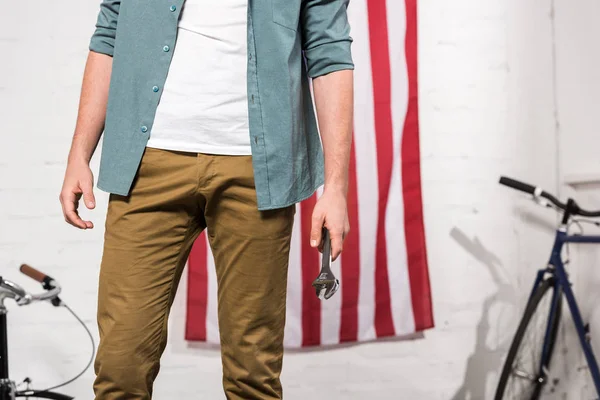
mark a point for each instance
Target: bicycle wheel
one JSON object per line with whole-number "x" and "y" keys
{"x": 521, "y": 378}
{"x": 32, "y": 394}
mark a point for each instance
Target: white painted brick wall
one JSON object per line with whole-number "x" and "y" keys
{"x": 487, "y": 108}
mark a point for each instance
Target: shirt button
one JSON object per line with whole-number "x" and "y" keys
{"x": 252, "y": 99}
{"x": 155, "y": 88}
{"x": 144, "y": 128}
{"x": 173, "y": 8}
{"x": 166, "y": 48}
{"x": 250, "y": 56}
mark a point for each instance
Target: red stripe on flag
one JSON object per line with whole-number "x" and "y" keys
{"x": 382, "y": 97}
{"x": 411, "y": 182}
{"x": 350, "y": 260}
{"x": 197, "y": 291}
{"x": 311, "y": 305}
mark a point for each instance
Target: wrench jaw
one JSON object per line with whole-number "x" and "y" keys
{"x": 326, "y": 288}
{"x": 331, "y": 289}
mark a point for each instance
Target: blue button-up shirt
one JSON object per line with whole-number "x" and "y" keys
{"x": 289, "y": 41}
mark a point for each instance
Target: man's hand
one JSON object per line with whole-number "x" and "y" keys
{"x": 79, "y": 181}
{"x": 331, "y": 210}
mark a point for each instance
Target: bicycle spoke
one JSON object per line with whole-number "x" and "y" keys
{"x": 524, "y": 375}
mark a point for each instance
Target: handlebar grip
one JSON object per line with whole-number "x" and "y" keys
{"x": 34, "y": 273}
{"x": 518, "y": 185}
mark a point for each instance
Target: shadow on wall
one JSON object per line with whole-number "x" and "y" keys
{"x": 492, "y": 342}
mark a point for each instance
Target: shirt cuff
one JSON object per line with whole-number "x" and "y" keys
{"x": 329, "y": 57}
{"x": 99, "y": 44}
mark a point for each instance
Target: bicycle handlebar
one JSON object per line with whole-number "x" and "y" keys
{"x": 12, "y": 290}
{"x": 538, "y": 192}
{"x": 12, "y": 287}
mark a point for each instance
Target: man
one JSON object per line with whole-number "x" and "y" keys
{"x": 208, "y": 122}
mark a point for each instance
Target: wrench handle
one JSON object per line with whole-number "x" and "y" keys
{"x": 326, "y": 264}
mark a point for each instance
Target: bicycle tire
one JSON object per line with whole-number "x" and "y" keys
{"x": 29, "y": 394}
{"x": 544, "y": 289}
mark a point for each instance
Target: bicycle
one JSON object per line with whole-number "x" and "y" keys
{"x": 10, "y": 290}
{"x": 526, "y": 369}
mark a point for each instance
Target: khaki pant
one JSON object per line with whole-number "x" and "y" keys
{"x": 148, "y": 237}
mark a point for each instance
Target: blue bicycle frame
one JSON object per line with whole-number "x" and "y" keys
{"x": 563, "y": 286}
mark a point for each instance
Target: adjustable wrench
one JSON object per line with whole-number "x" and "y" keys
{"x": 326, "y": 283}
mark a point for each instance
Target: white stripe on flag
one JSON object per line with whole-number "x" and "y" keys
{"x": 212, "y": 324}
{"x": 331, "y": 311}
{"x": 400, "y": 294}
{"x": 293, "y": 323}
{"x": 366, "y": 167}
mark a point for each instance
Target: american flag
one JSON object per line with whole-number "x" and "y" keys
{"x": 384, "y": 282}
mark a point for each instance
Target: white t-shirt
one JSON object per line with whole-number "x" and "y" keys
{"x": 203, "y": 107}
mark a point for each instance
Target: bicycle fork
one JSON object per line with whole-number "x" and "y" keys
{"x": 7, "y": 389}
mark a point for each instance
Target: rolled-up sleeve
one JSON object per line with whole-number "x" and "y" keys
{"x": 326, "y": 36}
{"x": 103, "y": 39}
